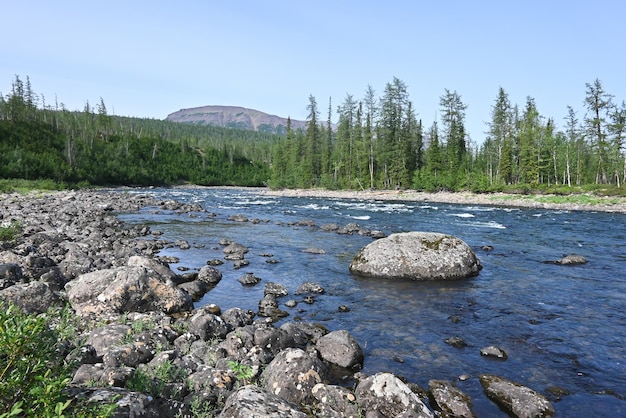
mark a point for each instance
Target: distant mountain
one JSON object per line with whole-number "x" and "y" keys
{"x": 235, "y": 117}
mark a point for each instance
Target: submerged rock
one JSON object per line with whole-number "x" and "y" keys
{"x": 520, "y": 401}
{"x": 417, "y": 256}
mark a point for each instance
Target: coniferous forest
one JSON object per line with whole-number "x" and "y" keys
{"x": 378, "y": 142}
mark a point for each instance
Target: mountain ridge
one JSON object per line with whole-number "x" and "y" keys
{"x": 237, "y": 117}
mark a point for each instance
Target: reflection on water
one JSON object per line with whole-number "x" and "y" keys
{"x": 561, "y": 326}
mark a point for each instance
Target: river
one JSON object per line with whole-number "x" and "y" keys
{"x": 561, "y": 326}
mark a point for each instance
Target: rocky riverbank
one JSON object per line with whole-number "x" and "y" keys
{"x": 141, "y": 344}
{"x": 574, "y": 202}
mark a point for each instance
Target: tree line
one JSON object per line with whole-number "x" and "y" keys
{"x": 40, "y": 141}
{"x": 377, "y": 142}
{"x": 380, "y": 143}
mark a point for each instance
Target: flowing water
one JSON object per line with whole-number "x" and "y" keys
{"x": 561, "y": 326}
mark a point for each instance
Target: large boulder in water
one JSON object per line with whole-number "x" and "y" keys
{"x": 417, "y": 256}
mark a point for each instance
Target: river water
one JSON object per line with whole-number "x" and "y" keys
{"x": 561, "y": 326}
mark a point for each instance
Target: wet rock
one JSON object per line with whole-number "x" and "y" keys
{"x": 330, "y": 227}
{"x": 240, "y": 263}
{"x": 417, "y": 256}
{"x": 275, "y": 289}
{"x": 449, "y": 400}
{"x": 209, "y": 275}
{"x": 340, "y": 348}
{"x": 572, "y": 260}
{"x": 456, "y": 342}
{"x": 314, "y": 251}
{"x": 376, "y": 234}
{"x": 309, "y": 287}
{"x": 494, "y": 352}
{"x": 291, "y": 303}
{"x": 238, "y": 218}
{"x": 249, "y": 279}
{"x": 520, "y": 401}
{"x": 182, "y": 244}
{"x": 215, "y": 262}
{"x": 292, "y": 375}
{"x": 237, "y": 318}
{"x": 268, "y": 307}
{"x": 253, "y": 401}
{"x": 385, "y": 394}
{"x": 33, "y": 297}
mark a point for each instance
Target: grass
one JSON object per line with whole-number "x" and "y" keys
{"x": 10, "y": 232}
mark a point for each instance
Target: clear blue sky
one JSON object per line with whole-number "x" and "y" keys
{"x": 151, "y": 58}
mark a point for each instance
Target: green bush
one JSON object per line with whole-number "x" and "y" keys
{"x": 10, "y": 232}
{"x": 33, "y": 373}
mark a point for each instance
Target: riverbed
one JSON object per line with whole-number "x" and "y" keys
{"x": 561, "y": 326}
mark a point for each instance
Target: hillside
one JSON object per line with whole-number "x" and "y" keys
{"x": 234, "y": 117}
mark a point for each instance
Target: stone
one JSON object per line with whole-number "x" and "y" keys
{"x": 494, "y": 352}
{"x": 416, "y": 256}
{"x": 334, "y": 401}
{"x": 253, "y": 401}
{"x": 10, "y": 273}
{"x": 33, "y": 297}
{"x": 275, "y": 289}
{"x": 340, "y": 348}
{"x": 249, "y": 279}
{"x": 572, "y": 260}
{"x": 209, "y": 275}
{"x": 456, "y": 342}
{"x": 387, "y": 395}
{"x": 309, "y": 287}
{"x": 207, "y": 326}
{"x": 520, "y": 401}
{"x": 449, "y": 400}
{"x": 237, "y": 318}
{"x": 292, "y": 375}
{"x": 126, "y": 289}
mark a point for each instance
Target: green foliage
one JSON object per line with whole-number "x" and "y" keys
{"x": 32, "y": 374}
{"x": 10, "y": 232}
{"x": 242, "y": 372}
{"x": 152, "y": 380}
{"x": 83, "y": 148}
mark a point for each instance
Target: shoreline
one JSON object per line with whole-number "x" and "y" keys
{"x": 595, "y": 203}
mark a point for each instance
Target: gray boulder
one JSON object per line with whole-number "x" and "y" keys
{"x": 340, "y": 348}
{"x": 520, "y": 401}
{"x": 33, "y": 297}
{"x": 253, "y": 401}
{"x": 292, "y": 375}
{"x": 126, "y": 289}
{"x": 335, "y": 401}
{"x": 209, "y": 275}
{"x": 449, "y": 400}
{"x": 10, "y": 273}
{"x": 417, "y": 256}
{"x": 572, "y": 260}
{"x": 385, "y": 394}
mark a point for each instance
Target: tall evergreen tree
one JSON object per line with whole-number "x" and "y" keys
{"x": 598, "y": 103}
{"x": 452, "y": 111}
